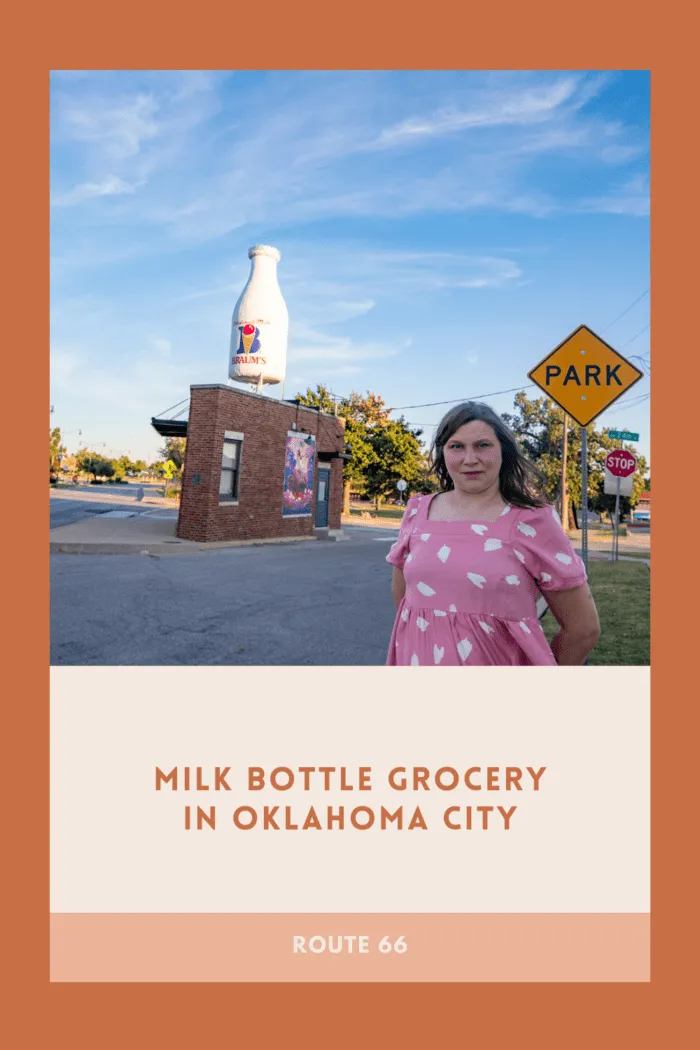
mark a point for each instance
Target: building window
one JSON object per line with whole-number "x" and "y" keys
{"x": 230, "y": 469}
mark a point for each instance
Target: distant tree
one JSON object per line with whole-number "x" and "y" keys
{"x": 427, "y": 483}
{"x": 95, "y": 464}
{"x": 174, "y": 449}
{"x": 539, "y": 426}
{"x": 139, "y": 465}
{"x": 56, "y": 449}
{"x": 123, "y": 465}
{"x": 397, "y": 454}
{"x": 383, "y": 450}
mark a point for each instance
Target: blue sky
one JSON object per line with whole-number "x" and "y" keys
{"x": 440, "y": 233}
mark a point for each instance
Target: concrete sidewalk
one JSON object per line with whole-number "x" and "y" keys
{"x": 598, "y": 543}
{"x": 149, "y": 533}
{"x": 153, "y": 532}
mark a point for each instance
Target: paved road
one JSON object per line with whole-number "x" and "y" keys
{"x": 68, "y": 505}
{"x": 302, "y": 604}
{"x": 67, "y": 511}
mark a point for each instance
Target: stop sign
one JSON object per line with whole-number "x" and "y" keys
{"x": 620, "y": 464}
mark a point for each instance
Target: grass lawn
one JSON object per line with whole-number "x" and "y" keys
{"x": 384, "y": 512}
{"x": 621, "y": 592}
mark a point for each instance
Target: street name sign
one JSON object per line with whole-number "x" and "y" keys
{"x": 584, "y": 375}
{"x": 623, "y": 435}
{"x": 621, "y": 464}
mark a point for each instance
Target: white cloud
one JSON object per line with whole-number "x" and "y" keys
{"x": 632, "y": 198}
{"x": 508, "y": 107}
{"x": 341, "y": 350}
{"x": 136, "y": 388}
{"x": 621, "y": 154}
{"x": 310, "y": 146}
{"x": 118, "y": 125}
{"x": 109, "y": 186}
{"x": 163, "y": 346}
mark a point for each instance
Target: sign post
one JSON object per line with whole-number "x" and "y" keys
{"x": 621, "y": 466}
{"x": 584, "y": 375}
{"x": 584, "y": 497}
{"x": 401, "y": 486}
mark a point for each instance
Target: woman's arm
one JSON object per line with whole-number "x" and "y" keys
{"x": 577, "y": 616}
{"x": 398, "y": 586}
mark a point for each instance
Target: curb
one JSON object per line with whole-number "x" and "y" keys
{"x": 156, "y": 550}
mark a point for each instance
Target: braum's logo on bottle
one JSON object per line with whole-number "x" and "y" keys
{"x": 248, "y": 346}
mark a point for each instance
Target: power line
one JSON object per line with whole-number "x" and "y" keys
{"x": 624, "y": 401}
{"x": 458, "y": 400}
{"x": 646, "y": 326}
{"x": 624, "y": 312}
{"x": 644, "y": 363}
{"x": 634, "y": 403}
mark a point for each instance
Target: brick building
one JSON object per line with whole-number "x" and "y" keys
{"x": 258, "y": 468}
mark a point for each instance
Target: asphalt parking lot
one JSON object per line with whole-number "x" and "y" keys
{"x": 308, "y": 603}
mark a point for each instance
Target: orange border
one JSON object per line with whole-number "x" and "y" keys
{"x": 105, "y": 1016}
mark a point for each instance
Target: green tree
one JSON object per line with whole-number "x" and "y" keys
{"x": 427, "y": 483}
{"x": 123, "y": 465}
{"x": 56, "y": 449}
{"x": 358, "y": 413}
{"x": 383, "y": 450}
{"x": 397, "y": 454}
{"x": 95, "y": 464}
{"x": 539, "y": 426}
{"x": 174, "y": 449}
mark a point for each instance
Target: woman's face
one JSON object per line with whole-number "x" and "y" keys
{"x": 473, "y": 457}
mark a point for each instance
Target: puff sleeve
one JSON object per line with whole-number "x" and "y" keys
{"x": 399, "y": 550}
{"x": 539, "y": 541}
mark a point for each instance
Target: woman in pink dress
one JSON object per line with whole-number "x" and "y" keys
{"x": 471, "y": 561}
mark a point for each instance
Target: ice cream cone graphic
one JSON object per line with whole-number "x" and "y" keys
{"x": 247, "y": 337}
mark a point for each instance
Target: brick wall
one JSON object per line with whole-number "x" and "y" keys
{"x": 264, "y": 422}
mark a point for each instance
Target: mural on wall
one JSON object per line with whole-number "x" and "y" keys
{"x": 299, "y": 462}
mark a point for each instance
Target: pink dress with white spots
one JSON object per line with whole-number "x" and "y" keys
{"x": 472, "y": 587}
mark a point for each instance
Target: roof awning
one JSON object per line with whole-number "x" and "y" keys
{"x": 170, "y": 427}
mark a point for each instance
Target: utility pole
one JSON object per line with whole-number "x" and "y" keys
{"x": 564, "y": 493}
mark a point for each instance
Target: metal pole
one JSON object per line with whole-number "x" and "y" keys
{"x": 564, "y": 499}
{"x": 584, "y": 497}
{"x": 616, "y": 535}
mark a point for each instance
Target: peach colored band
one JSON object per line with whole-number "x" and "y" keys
{"x": 223, "y": 947}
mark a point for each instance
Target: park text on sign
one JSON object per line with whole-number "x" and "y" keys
{"x": 584, "y": 375}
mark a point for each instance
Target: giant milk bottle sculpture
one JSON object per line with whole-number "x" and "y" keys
{"x": 260, "y": 325}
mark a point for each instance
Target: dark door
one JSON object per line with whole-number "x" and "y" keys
{"x": 323, "y": 480}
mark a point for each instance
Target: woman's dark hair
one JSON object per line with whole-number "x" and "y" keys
{"x": 520, "y": 482}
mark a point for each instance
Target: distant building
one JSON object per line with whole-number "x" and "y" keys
{"x": 642, "y": 512}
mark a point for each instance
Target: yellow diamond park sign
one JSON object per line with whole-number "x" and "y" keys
{"x": 584, "y": 375}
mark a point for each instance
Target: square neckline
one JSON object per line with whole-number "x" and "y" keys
{"x": 461, "y": 521}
